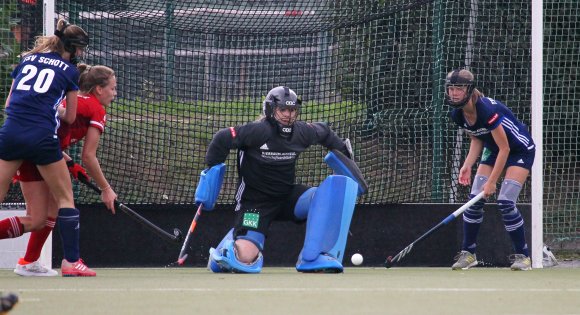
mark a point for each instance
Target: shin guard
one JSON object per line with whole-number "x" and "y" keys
{"x": 69, "y": 229}
{"x": 327, "y": 225}
{"x": 303, "y": 204}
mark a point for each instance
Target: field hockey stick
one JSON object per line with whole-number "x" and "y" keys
{"x": 183, "y": 253}
{"x": 177, "y": 236}
{"x": 392, "y": 260}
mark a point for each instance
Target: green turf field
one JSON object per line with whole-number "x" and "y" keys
{"x": 284, "y": 291}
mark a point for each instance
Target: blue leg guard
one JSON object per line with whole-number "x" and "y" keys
{"x": 303, "y": 204}
{"x": 327, "y": 226}
{"x": 223, "y": 258}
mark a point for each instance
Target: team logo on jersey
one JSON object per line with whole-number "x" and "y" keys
{"x": 493, "y": 118}
{"x": 264, "y": 147}
{"x": 486, "y": 153}
{"x": 251, "y": 220}
{"x": 233, "y": 132}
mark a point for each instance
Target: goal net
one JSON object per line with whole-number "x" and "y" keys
{"x": 374, "y": 70}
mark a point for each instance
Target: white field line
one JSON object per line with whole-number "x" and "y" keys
{"x": 456, "y": 290}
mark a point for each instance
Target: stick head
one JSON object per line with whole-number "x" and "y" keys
{"x": 389, "y": 262}
{"x": 181, "y": 260}
{"x": 178, "y": 235}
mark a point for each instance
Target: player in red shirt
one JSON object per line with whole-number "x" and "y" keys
{"x": 97, "y": 91}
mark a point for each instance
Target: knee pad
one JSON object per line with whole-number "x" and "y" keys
{"x": 477, "y": 185}
{"x": 510, "y": 190}
{"x": 508, "y": 195}
{"x": 303, "y": 204}
{"x": 327, "y": 225}
{"x": 223, "y": 257}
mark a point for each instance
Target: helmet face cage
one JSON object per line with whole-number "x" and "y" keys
{"x": 459, "y": 77}
{"x": 73, "y": 41}
{"x": 280, "y": 97}
{"x": 81, "y": 41}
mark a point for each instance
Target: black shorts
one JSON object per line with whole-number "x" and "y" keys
{"x": 258, "y": 215}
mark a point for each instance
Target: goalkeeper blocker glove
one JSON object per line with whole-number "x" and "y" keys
{"x": 210, "y": 184}
{"x": 77, "y": 171}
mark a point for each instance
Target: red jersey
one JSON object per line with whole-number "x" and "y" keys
{"x": 90, "y": 113}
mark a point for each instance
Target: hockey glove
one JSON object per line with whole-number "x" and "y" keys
{"x": 77, "y": 171}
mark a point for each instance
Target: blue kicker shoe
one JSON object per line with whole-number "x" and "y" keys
{"x": 226, "y": 261}
{"x": 322, "y": 264}
{"x": 212, "y": 265}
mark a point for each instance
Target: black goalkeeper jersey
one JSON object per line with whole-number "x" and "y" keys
{"x": 266, "y": 161}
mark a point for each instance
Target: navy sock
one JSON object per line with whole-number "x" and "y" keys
{"x": 519, "y": 241}
{"x": 470, "y": 231}
{"x": 514, "y": 224}
{"x": 472, "y": 219}
{"x": 69, "y": 228}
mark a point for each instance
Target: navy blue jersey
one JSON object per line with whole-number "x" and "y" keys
{"x": 490, "y": 114}
{"x": 41, "y": 81}
{"x": 266, "y": 160}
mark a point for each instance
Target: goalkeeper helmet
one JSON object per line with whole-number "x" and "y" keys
{"x": 279, "y": 99}
{"x": 459, "y": 78}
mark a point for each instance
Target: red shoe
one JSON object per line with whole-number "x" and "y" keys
{"x": 76, "y": 269}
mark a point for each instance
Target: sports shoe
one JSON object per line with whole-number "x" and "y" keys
{"x": 520, "y": 262}
{"x": 464, "y": 261}
{"x": 76, "y": 269}
{"x": 33, "y": 269}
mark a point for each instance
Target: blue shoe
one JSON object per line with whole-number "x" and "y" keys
{"x": 226, "y": 261}
{"x": 212, "y": 265}
{"x": 322, "y": 264}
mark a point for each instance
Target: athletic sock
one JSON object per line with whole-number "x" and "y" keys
{"x": 514, "y": 225}
{"x": 11, "y": 228}
{"x": 518, "y": 237}
{"x": 37, "y": 240}
{"x": 472, "y": 219}
{"x": 69, "y": 230}
{"x": 470, "y": 231}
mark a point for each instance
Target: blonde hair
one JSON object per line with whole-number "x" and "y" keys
{"x": 476, "y": 95}
{"x": 92, "y": 76}
{"x": 52, "y": 43}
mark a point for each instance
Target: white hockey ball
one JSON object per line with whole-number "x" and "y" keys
{"x": 356, "y": 259}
